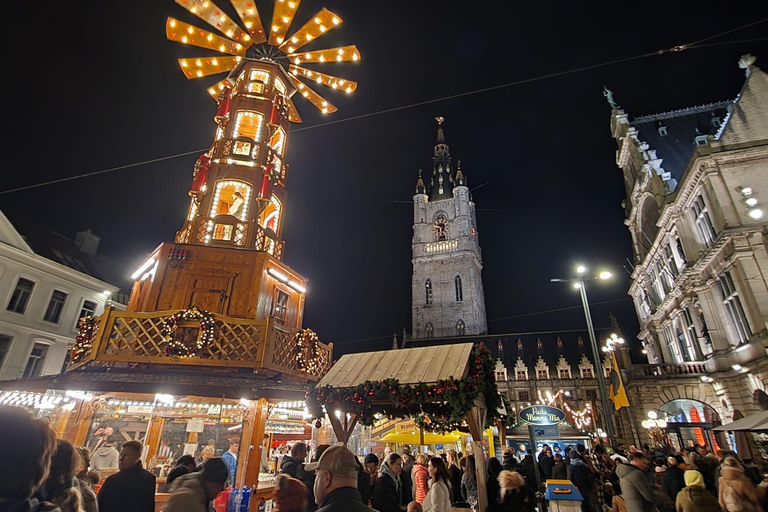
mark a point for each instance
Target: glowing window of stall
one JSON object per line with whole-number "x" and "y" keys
{"x": 231, "y": 198}
{"x": 280, "y": 86}
{"x": 270, "y": 217}
{"x": 248, "y": 124}
{"x": 258, "y": 81}
{"x": 192, "y": 210}
{"x": 277, "y": 141}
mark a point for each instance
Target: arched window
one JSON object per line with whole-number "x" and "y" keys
{"x": 459, "y": 291}
{"x": 258, "y": 82}
{"x": 231, "y": 198}
{"x": 428, "y": 291}
{"x": 430, "y": 330}
{"x": 439, "y": 227}
{"x": 277, "y": 141}
{"x": 248, "y": 124}
{"x": 270, "y": 217}
{"x": 461, "y": 328}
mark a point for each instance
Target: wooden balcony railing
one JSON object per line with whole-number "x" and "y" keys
{"x": 134, "y": 337}
{"x": 667, "y": 370}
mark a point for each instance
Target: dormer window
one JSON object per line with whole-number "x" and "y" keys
{"x": 661, "y": 128}
{"x": 701, "y": 140}
{"x": 716, "y": 122}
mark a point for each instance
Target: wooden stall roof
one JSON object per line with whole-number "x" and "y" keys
{"x": 408, "y": 365}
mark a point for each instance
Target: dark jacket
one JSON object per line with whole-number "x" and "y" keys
{"x": 560, "y": 470}
{"x": 467, "y": 487}
{"x": 188, "y": 495}
{"x": 387, "y": 491}
{"x": 696, "y": 499}
{"x": 673, "y": 481}
{"x": 364, "y": 486}
{"x": 545, "y": 465}
{"x": 636, "y": 489}
{"x": 292, "y": 467}
{"x": 30, "y": 505}
{"x": 527, "y": 470}
{"x": 132, "y": 490}
{"x": 345, "y": 499}
{"x": 581, "y": 476}
{"x": 521, "y": 499}
{"x": 455, "y": 473}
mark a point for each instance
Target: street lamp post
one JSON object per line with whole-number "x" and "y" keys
{"x": 578, "y": 283}
{"x": 656, "y": 428}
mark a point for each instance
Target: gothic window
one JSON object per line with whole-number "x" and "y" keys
{"x": 733, "y": 307}
{"x": 248, "y": 124}
{"x": 564, "y": 373}
{"x": 665, "y": 277}
{"x": 541, "y": 373}
{"x": 521, "y": 375}
{"x": 439, "y": 227}
{"x": 461, "y": 328}
{"x": 459, "y": 291}
{"x": 703, "y": 221}
{"x": 670, "y": 260}
{"x": 428, "y": 291}
{"x": 689, "y": 332}
{"x": 586, "y": 373}
{"x": 429, "y": 329}
{"x": 672, "y": 345}
{"x": 231, "y": 198}
{"x": 523, "y": 396}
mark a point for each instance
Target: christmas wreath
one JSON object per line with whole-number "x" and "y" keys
{"x": 307, "y": 351}
{"x": 176, "y": 347}
{"x": 84, "y": 339}
{"x": 439, "y": 407}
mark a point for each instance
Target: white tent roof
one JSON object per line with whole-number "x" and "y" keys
{"x": 753, "y": 422}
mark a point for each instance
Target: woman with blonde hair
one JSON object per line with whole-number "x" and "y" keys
{"x": 514, "y": 495}
{"x": 420, "y": 477}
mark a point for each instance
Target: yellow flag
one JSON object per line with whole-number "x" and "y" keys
{"x": 617, "y": 392}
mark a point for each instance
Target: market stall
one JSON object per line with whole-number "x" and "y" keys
{"x": 441, "y": 388}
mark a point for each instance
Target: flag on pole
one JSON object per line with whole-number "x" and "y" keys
{"x": 617, "y": 392}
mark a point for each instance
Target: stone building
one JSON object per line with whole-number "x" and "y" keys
{"x": 447, "y": 286}
{"x": 696, "y": 191}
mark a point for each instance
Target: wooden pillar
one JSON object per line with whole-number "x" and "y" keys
{"x": 476, "y": 422}
{"x": 152, "y": 441}
{"x": 343, "y": 426}
{"x": 249, "y": 458}
{"x": 502, "y": 435}
{"x": 81, "y": 425}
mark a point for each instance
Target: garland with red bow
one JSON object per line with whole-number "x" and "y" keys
{"x": 439, "y": 407}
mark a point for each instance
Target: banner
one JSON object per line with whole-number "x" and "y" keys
{"x": 617, "y": 392}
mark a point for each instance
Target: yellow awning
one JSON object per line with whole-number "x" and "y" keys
{"x": 412, "y": 438}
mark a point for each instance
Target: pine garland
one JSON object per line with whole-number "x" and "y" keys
{"x": 307, "y": 342}
{"x": 204, "y": 338}
{"x": 439, "y": 407}
{"x": 84, "y": 339}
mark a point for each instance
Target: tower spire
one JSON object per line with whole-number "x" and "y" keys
{"x": 441, "y": 183}
{"x": 460, "y": 180}
{"x": 420, "y": 187}
{"x": 440, "y": 135}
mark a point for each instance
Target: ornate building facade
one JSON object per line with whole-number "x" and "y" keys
{"x": 447, "y": 287}
{"x": 696, "y": 197}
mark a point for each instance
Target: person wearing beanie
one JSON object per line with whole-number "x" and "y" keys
{"x": 194, "y": 492}
{"x": 694, "y": 497}
{"x": 736, "y": 492}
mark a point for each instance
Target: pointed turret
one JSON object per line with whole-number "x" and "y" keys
{"x": 441, "y": 183}
{"x": 460, "y": 180}
{"x": 420, "y": 187}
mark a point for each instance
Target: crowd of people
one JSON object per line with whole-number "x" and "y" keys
{"x": 43, "y": 474}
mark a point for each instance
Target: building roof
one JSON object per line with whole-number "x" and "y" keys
{"x": 673, "y": 134}
{"x": 408, "y": 365}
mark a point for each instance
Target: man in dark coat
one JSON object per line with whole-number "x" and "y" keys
{"x": 546, "y": 463}
{"x": 132, "y": 489}
{"x": 674, "y": 479}
{"x": 528, "y": 470}
{"x": 388, "y": 492}
{"x": 336, "y": 481}
{"x": 581, "y": 476}
{"x": 293, "y": 464}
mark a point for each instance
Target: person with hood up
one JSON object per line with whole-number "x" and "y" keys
{"x": 736, "y": 493}
{"x": 106, "y": 456}
{"x": 694, "y": 497}
{"x": 194, "y": 492}
{"x": 581, "y": 476}
{"x": 387, "y": 494}
{"x": 635, "y": 484}
{"x": 674, "y": 480}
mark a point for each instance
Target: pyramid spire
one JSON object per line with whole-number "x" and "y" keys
{"x": 440, "y": 135}
{"x": 441, "y": 183}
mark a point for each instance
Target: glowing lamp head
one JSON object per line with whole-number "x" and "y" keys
{"x": 652, "y": 415}
{"x": 752, "y": 201}
{"x": 746, "y": 191}
{"x": 605, "y": 275}
{"x": 580, "y": 269}
{"x": 755, "y": 213}
{"x": 577, "y": 285}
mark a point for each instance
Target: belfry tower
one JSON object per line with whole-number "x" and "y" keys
{"x": 227, "y": 256}
{"x": 447, "y": 288}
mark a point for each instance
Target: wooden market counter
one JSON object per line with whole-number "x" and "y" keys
{"x": 262, "y": 494}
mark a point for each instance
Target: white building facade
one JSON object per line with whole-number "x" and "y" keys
{"x": 41, "y": 301}
{"x": 697, "y": 208}
{"x": 447, "y": 287}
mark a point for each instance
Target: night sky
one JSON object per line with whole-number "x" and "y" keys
{"x": 95, "y": 85}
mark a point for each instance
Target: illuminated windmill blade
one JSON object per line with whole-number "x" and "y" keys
{"x": 216, "y": 88}
{"x": 215, "y": 17}
{"x": 282, "y": 17}
{"x": 204, "y": 66}
{"x": 185, "y": 33}
{"x": 321, "y": 23}
{"x": 338, "y": 54}
{"x": 324, "y": 79}
{"x": 321, "y": 103}
{"x": 293, "y": 114}
{"x": 249, "y": 13}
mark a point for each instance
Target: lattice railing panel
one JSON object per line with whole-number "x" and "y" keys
{"x": 283, "y": 349}
{"x": 135, "y": 336}
{"x": 239, "y": 342}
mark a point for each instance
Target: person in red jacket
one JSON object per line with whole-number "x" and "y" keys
{"x": 420, "y": 478}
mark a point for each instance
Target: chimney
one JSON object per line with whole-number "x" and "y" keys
{"x": 87, "y": 242}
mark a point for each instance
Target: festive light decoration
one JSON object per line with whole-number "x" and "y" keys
{"x": 84, "y": 339}
{"x": 307, "y": 351}
{"x": 439, "y": 407}
{"x": 582, "y": 418}
{"x": 204, "y": 338}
